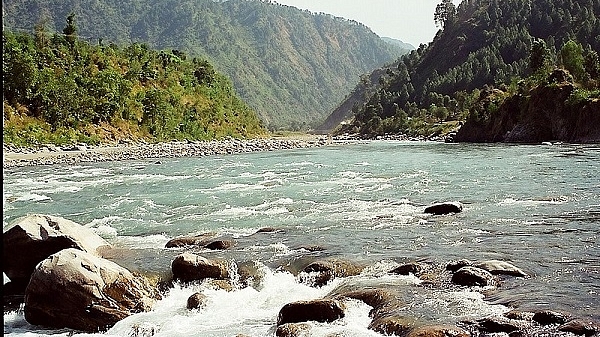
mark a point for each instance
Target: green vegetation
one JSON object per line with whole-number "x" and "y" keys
{"x": 484, "y": 44}
{"x": 291, "y": 66}
{"x": 58, "y": 89}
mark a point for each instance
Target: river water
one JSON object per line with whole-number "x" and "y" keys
{"x": 537, "y": 207}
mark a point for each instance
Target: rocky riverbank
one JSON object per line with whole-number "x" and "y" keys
{"x": 73, "y": 154}
{"x": 118, "y": 293}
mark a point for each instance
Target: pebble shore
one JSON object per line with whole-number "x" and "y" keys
{"x": 53, "y": 155}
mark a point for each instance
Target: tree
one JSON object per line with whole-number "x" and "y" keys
{"x": 539, "y": 57}
{"x": 70, "y": 30}
{"x": 572, "y": 59}
{"x": 445, "y": 13}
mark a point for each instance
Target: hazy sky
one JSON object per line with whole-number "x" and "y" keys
{"x": 407, "y": 20}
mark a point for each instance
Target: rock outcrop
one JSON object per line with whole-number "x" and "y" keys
{"x": 33, "y": 238}
{"x": 77, "y": 290}
{"x": 546, "y": 113}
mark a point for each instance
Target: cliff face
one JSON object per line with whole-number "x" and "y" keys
{"x": 547, "y": 113}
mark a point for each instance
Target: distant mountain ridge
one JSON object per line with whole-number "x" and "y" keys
{"x": 398, "y": 43}
{"x": 290, "y": 65}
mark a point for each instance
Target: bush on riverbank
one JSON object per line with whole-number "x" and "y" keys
{"x": 59, "y": 89}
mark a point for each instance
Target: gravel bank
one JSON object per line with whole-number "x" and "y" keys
{"x": 53, "y": 155}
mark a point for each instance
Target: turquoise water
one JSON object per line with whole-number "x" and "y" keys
{"x": 537, "y": 207}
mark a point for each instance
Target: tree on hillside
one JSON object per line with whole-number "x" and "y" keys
{"x": 70, "y": 30}
{"x": 539, "y": 57}
{"x": 445, "y": 13}
{"x": 572, "y": 59}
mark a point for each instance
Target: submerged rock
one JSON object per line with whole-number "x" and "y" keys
{"x": 471, "y": 276}
{"x": 190, "y": 267}
{"x": 327, "y": 270}
{"x": 292, "y": 330}
{"x": 33, "y": 238}
{"x": 324, "y": 311}
{"x": 438, "y": 331}
{"x": 185, "y": 241}
{"x": 581, "y": 327}
{"x": 548, "y": 317}
{"x": 444, "y": 208}
{"x": 77, "y": 290}
{"x": 393, "y": 325}
{"x": 408, "y": 268}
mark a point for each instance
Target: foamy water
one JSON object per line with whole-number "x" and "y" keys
{"x": 534, "y": 206}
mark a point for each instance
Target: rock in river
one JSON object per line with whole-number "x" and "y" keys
{"x": 323, "y": 311}
{"x": 33, "y": 238}
{"x": 190, "y": 267}
{"x": 77, "y": 290}
{"x": 471, "y": 276}
{"x": 444, "y": 208}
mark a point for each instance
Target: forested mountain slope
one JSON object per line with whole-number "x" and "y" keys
{"x": 482, "y": 42}
{"x": 291, "y": 66}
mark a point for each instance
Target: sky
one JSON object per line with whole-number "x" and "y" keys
{"x": 408, "y": 20}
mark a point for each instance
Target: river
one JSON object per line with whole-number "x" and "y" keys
{"x": 537, "y": 207}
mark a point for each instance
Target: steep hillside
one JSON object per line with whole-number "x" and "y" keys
{"x": 482, "y": 43}
{"x": 290, "y": 65}
{"x": 62, "y": 90}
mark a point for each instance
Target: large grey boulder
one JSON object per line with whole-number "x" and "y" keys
{"x": 77, "y": 290}
{"x": 31, "y": 239}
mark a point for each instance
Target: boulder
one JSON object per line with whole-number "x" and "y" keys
{"x": 471, "y": 276}
{"x": 190, "y": 267}
{"x": 438, "y": 331}
{"x": 207, "y": 241}
{"x": 292, "y": 330}
{"x": 383, "y": 301}
{"x": 31, "y": 239}
{"x": 77, "y": 290}
{"x": 501, "y": 268}
{"x": 548, "y": 317}
{"x": 454, "y": 266}
{"x": 408, "y": 268}
{"x": 197, "y": 301}
{"x": 444, "y": 208}
{"x": 324, "y": 311}
{"x": 185, "y": 241}
{"x": 392, "y": 325}
{"x": 327, "y": 270}
{"x": 499, "y": 324}
{"x": 222, "y": 244}
{"x": 581, "y": 327}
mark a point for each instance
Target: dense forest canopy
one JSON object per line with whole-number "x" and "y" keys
{"x": 58, "y": 89}
{"x": 290, "y": 65}
{"x": 481, "y": 43}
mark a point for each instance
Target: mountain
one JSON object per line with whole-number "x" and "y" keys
{"x": 399, "y": 43}
{"x": 291, "y": 66}
{"x": 482, "y": 43}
